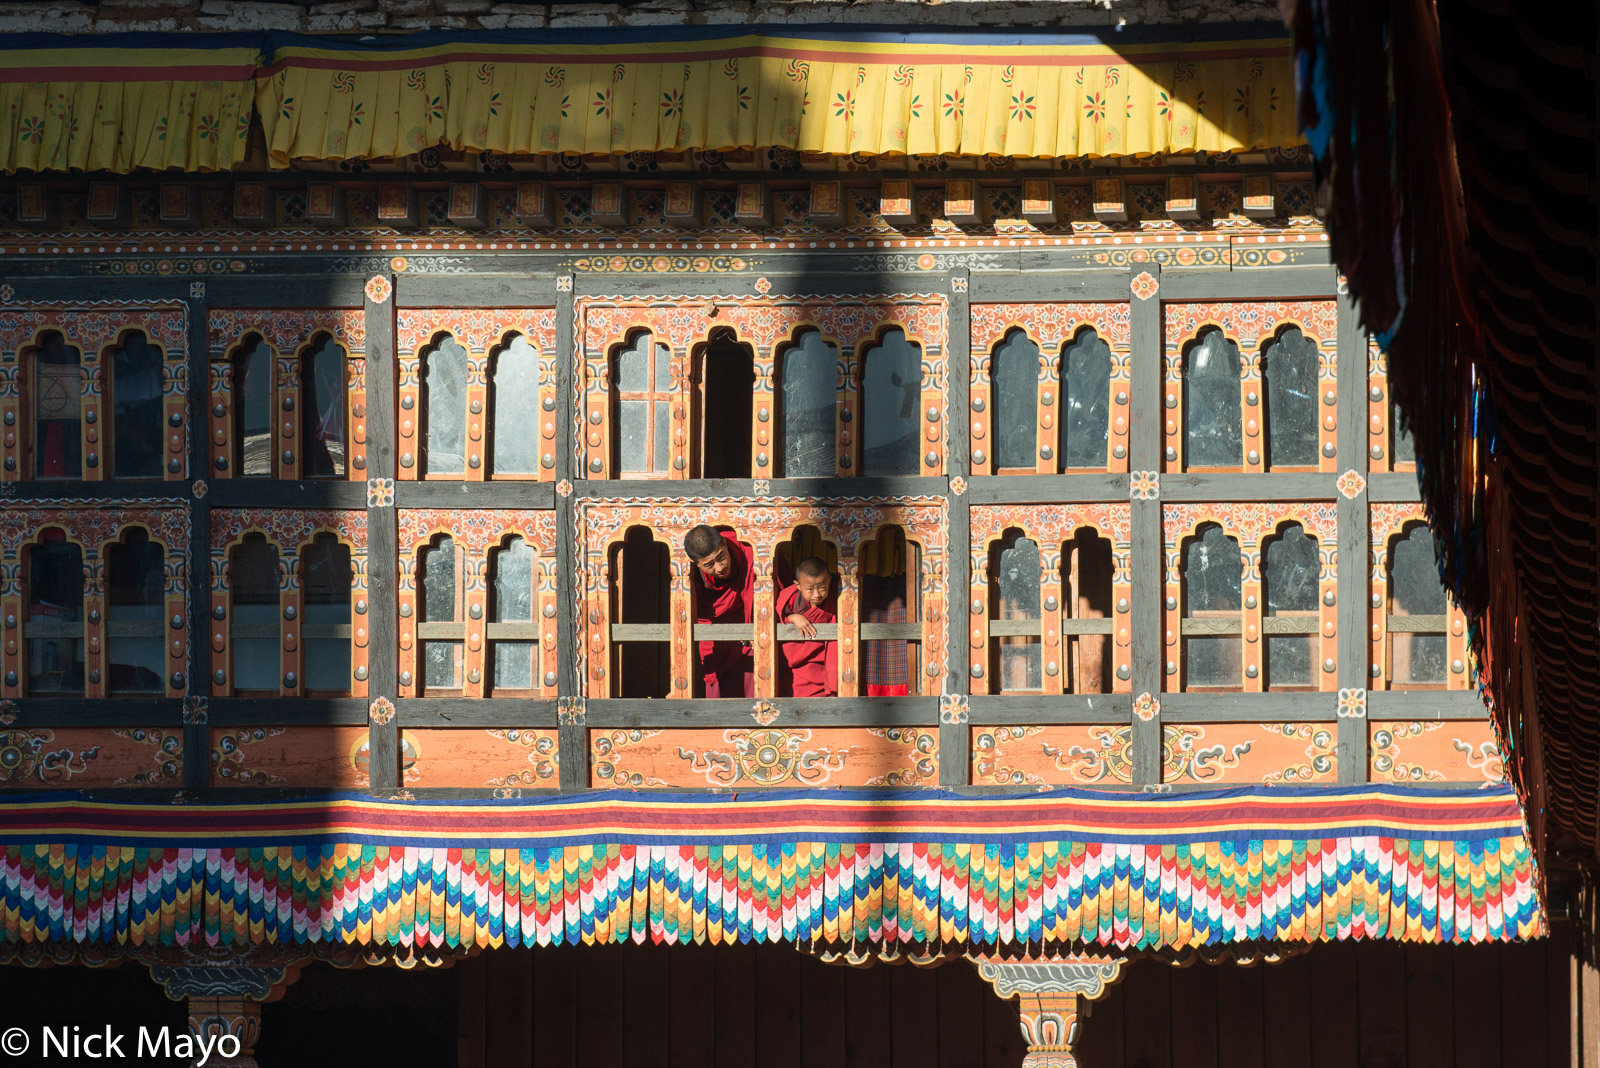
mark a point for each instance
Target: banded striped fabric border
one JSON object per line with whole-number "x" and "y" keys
{"x": 1050, "y": 870}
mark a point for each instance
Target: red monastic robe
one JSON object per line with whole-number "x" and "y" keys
{"x": 814, "y": 665}
{"x": 730, "y": 601}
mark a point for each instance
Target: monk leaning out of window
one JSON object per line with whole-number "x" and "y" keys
{"x": 813, "y": 665}
{"x": 724, "y": 592}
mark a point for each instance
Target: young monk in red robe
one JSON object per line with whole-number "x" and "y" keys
{"x": 724, "y": 592}
{"x": 814, "y": 665}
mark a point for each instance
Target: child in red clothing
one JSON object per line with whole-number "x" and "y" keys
{"x": 813, "y": 665}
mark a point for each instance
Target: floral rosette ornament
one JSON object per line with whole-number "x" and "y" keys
{"x": 1352, "y": 704}
{"x": 378, "y": 289}
{"x": 1146, "y": 707}
{"x": 381, "y": 711}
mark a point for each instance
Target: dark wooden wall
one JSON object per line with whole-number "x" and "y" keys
{"x": 725, "y": 1007}
{"x": 1372, "y": 1005}
{"x": 1368, "y": 1005}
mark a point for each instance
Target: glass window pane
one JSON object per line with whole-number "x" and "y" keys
{"x": 513, "y": 583}
{"x": 136, "y": 384}
{"x": 662, "y": 436}
{"x": 1017, "y": 581}
{"x": 322, "y": 420}
{"x": 1213, "y": 436}
{"x": 1292, "y": 567}
{"x": 441, "y": 665}
{"x": 516, "y": 664}
{"x": 1014, "y": 372}
{"x": 253, "y": 577}
{"x": 57, "y": 409}
{"x": 439, "y": 582}
{"x": 135, "y": 583}
{"x": 1419, "y": 658}
{"x": 633, "y": 434}
{"x": 444, "y": 399}
{"x": 663, "y": 368}
{"x": 633, "y": 366}
{"x": 1290, "y": 369}
{"x": 253, "y": 374}
{"x": 441, "y": 659}
{"x": 891, "y": 386}
{"x": 514, "y": 430}
{"x": 1415, "y": 589}
{"x": 55, "y": 616}
{"x": 810, "y": 375}
{"x": 1212, "y": 574}
{"x": 1404, "y": 451}
{"x": 1086, "y": 410}
{"x": 327, "y": 580}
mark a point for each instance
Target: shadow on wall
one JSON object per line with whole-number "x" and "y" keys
{"x": 606, "y": 1006}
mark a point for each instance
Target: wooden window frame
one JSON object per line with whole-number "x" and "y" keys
{"x": 146, "y": 629}
{"x": 310, "y": 632}
{"x": 1416, "y": 625}
{"x": 31, "y": 391}
{"x": 529, "y": 631}
{"x": 28, "y": 631}
{"x": 444, "y": 631}
{"x": 1218, "y": 624}
{"x": 650, "y": 396}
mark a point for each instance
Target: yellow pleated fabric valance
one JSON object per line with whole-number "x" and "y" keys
{"x": 839, "y": 95}
{"x": 117, "y": 102}
{"x": 185, "y": 101}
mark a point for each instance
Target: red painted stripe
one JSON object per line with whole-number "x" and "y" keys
{"x": 356, "y": 64}
{"x": 240, "y": 72}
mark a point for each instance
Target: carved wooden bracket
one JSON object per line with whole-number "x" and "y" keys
{"x": 1054, "y": 996}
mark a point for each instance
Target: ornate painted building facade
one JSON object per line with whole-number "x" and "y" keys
{"x": 347, "y": 463}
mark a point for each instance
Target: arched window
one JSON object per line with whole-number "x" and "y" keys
{"x": 513, "y": 632}
{"x": 253, "y": 373}
{"x": 725, "y": 379}
{"x": 1213, "y": 435}
{"x": 444, "y": 409}
{"x": 1086, "y": 401}
{"x": 808, "y": 372}
{"x": 1291, "y": 619}
{"x": 891, "y": 614}
{"x": 641, "y": 662}
{"x": 806, "y": 541}
{"x": 57, "y": 401}
{"x": 256, "y": 639}
{"x": 1088, "y": 574}
{"x": 515, "y": 413}
{"x": 54, "y": 627}
{"x": 136, "y": 388}
{"x": 326, "y": 582}
{"x": 1014, "y": 375}
{"x": 440, "y": 623}
{"x": 322, "y": 399}
{"x": 641, "y": 376}
{"x": 891, "y": 397}
{"x": 136, "y": 584}
{"x": 1290, "y": 369}
{"x": 1213, "y": 572}
{"x": 1418, "y": 612}
{"x": 1015, "y": 574}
